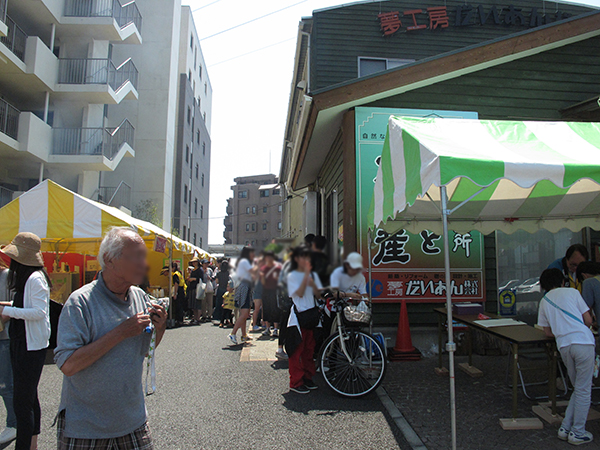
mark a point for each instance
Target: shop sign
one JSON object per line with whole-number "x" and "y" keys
{"x": 507, "y": 303}
{"x": 464, "y": 16}
{"x": 404, "y": 265}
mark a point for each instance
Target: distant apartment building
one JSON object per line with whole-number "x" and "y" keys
{"x": 107, "y": 97}
{"x": 254, "y": 213}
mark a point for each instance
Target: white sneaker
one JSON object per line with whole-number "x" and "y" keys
{"x": 232, "y": 339}
{"x": 578, "y": 439}
{"x": 563, "y": 433}
{"x": 8, "y": 435}
{"x": 281, "y": 355}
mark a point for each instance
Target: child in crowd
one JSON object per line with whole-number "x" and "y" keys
{"x": 564, "y": 315}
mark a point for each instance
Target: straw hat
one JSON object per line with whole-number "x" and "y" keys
{"x": 25, "y": 249}
{"x": 195, "y": 259}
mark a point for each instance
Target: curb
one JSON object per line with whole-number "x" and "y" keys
{"x": 409, "y": 434}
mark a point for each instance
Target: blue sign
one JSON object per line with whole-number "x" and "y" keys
{"x": 507, "y": 303}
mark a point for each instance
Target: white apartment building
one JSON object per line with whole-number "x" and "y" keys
{"x": 111, "y": 99}
{"x": 57, "y": 76}
{"x": 171, "y": 169}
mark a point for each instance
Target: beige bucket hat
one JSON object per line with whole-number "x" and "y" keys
{"x": 25, "y": 248}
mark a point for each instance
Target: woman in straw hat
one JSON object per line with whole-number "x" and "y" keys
{"x": 29, "y": 332}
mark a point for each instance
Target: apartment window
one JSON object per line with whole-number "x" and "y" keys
{"x": 187, "y": 154}
{"x": 189, "y": 116}
{"x": 200, "y": 71}
{"x": 200, "y": 243}
{"x": 185, "y": 193}
{"x": 253, "y": 243}
{"x": 204, "y": 149}
{"x": 195, "y": 206}
{"x": 192, "y": 41}
{"x": 247, "y": 210}
{"x": 279, "y": 225}
{"x": 264, "y": 193}
{"x": 204, "y": 116}
{"x": 254, "y": 210}
{"x": 198, "y": 136}
{"x": 280, "y": 208}
{"x": 247, "y": 227}
{"x": 194, "y": 242}
{"x": 265, "y": 208}
{"x": 247, "y": 243}
{"x": 202, "y": 211}
{"x": 264, "y": 226}
{"x": 243, "y": 194}
{"x": 190, "y": 75}
{"x": 205, "y": 88}
{"x": 276, "y": 192}
{"x": 195, "y": 56}
{"x": 184, "y": 232}
{"x": 202, "y": 179}
{"x": 197, "y": 170}
{"x": 368, "y": 66}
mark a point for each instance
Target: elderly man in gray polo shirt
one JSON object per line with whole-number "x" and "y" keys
{"x": 101, "y": 348}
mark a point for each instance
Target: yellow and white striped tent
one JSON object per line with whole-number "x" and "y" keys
{"x": 68, "y": 222}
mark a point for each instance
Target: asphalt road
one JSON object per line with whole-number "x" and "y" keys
{"x": 208, "y": 399}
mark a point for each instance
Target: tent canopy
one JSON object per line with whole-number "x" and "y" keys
{"x": 515, "y": 175}
{"x": 69, "y": 222}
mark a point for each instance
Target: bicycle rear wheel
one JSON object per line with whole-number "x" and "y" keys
{"x": 358, "y": 373}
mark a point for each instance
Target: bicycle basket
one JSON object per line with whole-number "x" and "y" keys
{"x": 355, "y": 317}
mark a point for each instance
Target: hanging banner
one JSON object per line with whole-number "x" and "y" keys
{"x": 410, "y": 266}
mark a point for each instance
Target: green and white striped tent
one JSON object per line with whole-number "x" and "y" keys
{"x": 527, "y": 175}
{"x": 460, "y": 174}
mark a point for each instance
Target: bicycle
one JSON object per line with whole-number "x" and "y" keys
{"x": 352, "y": 361}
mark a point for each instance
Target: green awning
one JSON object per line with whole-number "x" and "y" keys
{"x": 516, "y": 175}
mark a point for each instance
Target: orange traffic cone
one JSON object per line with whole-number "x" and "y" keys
{"x": 404, "y": 350}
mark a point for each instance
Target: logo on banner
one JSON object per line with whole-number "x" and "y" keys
{"x": 507, "y": 303}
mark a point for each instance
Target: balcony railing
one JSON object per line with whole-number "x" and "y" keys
{"x": 92, "y": 141}
{"x": 15, "y": 38}
{"x": 124, "y": 14}
{"x": 97, "y": 71}
{"x": 3, "y": 4}
{"x": 116, "y": 196}
{"x": 6, "y": 196}
{"x": 9, "y": 119}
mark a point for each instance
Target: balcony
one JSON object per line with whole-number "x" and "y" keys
{"x": 118, "y": 197}
{"x": 93, "y": 148}
{"x": 9, "y": 119}
{"x": 98, "y": 79}
{"x": 110, "y": 18}
{"x": 15, "y": 39}
{"x": 3, "y": 27}
{"x": 6, "y": 196}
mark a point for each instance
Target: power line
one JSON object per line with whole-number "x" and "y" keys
{"x": 202, "y": 7}
{"x": 251, "y": 52}
{"x": 253, "y": 20}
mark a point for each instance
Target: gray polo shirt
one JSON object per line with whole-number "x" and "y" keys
{"x": 106, "y": 400}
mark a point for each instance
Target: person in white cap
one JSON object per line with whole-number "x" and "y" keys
{"x": 29, "y": 332}
{"x": 349, "y": 279}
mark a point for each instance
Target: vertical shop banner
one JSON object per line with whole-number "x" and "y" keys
{"x": 410, "y": 266}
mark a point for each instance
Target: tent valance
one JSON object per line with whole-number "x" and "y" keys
{"x": 515, "y": 175}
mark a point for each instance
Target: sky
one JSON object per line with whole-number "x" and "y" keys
{"x": 250, "y": 68}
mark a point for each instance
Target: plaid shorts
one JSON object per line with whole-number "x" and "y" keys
{"x": 139, "y": 439}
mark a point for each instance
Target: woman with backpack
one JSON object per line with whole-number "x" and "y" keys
{"x": 303, "y": 286}
{"x": 29, "y": 332}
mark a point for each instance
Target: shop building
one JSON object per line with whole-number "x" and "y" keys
{"x": 254, "y": 213}
{"x": 60, "y": 72}
{"x": 358, "y": 64}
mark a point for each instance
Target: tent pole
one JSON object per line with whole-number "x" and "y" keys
{"x": 451, "y": 346}
{"x": 370, "y": 290}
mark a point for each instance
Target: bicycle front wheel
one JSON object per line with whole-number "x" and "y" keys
{"x": 356, "y": 371}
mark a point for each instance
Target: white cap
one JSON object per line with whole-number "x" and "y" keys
{"x": 355, "y": 260}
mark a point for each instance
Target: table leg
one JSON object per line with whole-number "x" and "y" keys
{"x": 470, "y": 344}
{"x": 440, "y": 339}
{"x": 515, "y": 377}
